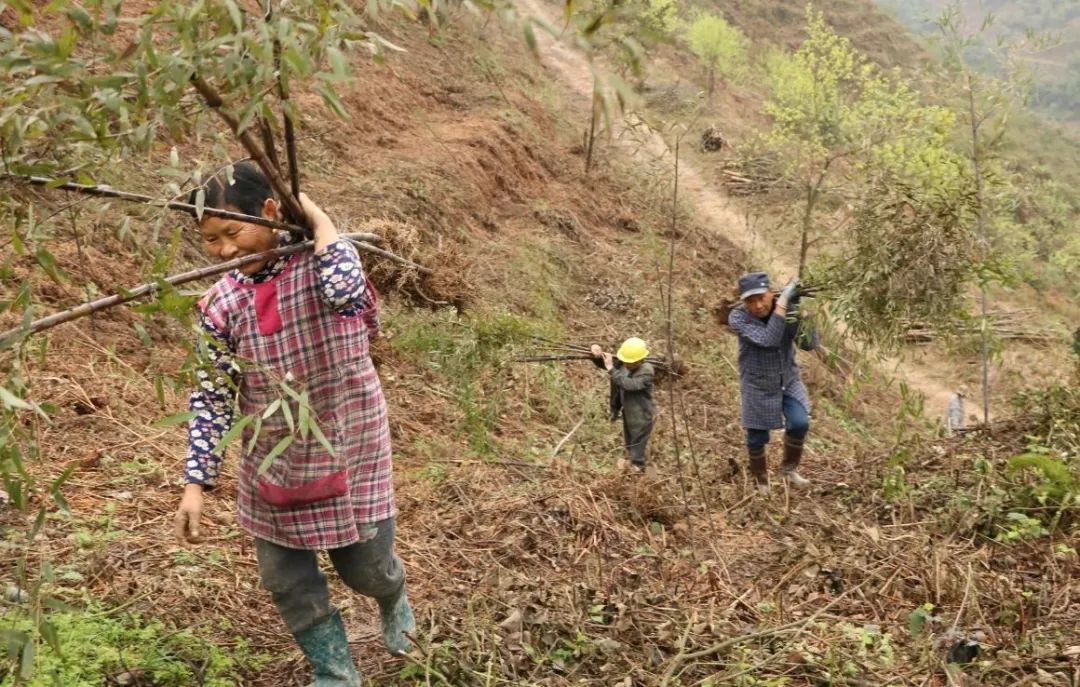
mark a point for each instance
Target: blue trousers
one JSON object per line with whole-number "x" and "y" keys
{"x": 796, "y": 424}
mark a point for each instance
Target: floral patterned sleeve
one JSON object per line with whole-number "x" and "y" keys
{"x": 212, "y": 403}
{"x": 342, "y": 283}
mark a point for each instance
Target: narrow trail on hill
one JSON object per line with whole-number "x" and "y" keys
{"x": 715, "y": 210}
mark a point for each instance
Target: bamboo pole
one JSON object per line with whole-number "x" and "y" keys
{"x": 108, "y": 192}
{"x": 214, "y": 101}
{"x": 91, "y": 307}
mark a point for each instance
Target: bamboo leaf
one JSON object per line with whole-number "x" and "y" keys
{"x": 48, "y": 263}
{"x": 382, "y": 42}
{"x": 293, "y": 394}
{"x": 58, "y": 605}
{"x": 305, "y": 415}
{"x": 530, "y": 39}
{"x": 271, "y": 409}
{"x": 286, "y": 409}
{"x": 333, "y": 101}
{"x": 338, "y": 63}
{"x": 255, "y": 434}
{"x": 54, "y": 488}
{"x": 12, "y": 401}
{"x": 50, "y": 635}
{"x": 234, "y": 432}
{"x": 177, "y": 419}
{"x": 26, "y": 666}
{"x": 13, "y": 641}
{"x": 234, "y": 14}
{"x": 159, "y": 390}
{"x": 278, "y": 449}
{"x": 322, "y": 438}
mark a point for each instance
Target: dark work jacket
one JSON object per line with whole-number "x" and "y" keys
{"x": 638, "y": 397}
{"x": 767, "y": 367}
{"x": 631, "y": 395}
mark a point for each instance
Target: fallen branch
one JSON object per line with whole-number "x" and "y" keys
{"x": 108, "y": 192}
{"x": 152, "y": 287}
{"x": 566, "y": 438}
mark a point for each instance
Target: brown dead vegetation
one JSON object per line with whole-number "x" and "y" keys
{"x": 528, "y": 569}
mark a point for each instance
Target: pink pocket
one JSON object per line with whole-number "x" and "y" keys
{"x": 332, "y": 486}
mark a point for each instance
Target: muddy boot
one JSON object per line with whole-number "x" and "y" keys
{"x": 327, "y": 649}
{"x": 397, "y": 620}
{"x": 759, "y": 469}
{"x": 793, "y": 449}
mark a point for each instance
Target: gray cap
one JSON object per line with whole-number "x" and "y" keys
{"x": 753, "y": 283}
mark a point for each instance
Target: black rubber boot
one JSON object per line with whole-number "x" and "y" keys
{"x": 759, "y": 469}
{"x": 793, "y": 449}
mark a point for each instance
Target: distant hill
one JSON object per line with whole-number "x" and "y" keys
{"x": 1057, "y": 68}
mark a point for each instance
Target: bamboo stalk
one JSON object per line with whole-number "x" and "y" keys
{"x": 658, "y": 362}
{"x": 214, "y": 101}
{"x": 267, "y": 133}
{"x": 368, "y": 248}
{"x": 91, "y": 307}
{"x": 107, "y": 192}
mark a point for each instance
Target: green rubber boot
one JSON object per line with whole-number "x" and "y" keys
{"x": 397, "y": 620}
{"x": 327, "y": 649}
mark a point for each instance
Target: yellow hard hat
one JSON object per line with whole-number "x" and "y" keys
{"x": 632, "y": 350}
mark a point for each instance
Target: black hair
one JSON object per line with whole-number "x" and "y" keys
{"x": 247, "y": 193}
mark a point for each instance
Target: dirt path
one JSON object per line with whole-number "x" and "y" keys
{"x": 714, "y": 209}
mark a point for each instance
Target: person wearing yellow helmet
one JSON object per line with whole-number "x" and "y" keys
{"x": 631, "y": 394}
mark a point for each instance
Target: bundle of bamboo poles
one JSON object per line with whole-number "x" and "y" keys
{"x": 753, "y": 176}
{"x": 1008, "y": 325}
{"x": 726, "y": 305}
{"x": 151, "y": 288}
{"x": 554, "y": 351}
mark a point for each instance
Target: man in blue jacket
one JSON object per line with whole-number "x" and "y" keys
{"x": 773, "y": 394}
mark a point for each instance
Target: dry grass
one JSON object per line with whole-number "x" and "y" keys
{"x": 526, "y": 569}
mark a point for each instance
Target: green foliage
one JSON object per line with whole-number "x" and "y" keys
{"x": 844, "y": 131}
{"x": 659, "y": 17}
{"x": 75, "y": 97}
{"x": 1057, "y": 485}
{"x": 919, "y": 618}
{"x": 1019, "y": 527}
{"x": 95, "y": 648}
{"x": 469, "y": 354}
{"x": 719, "y": 46}
{"x": 1054, "y": 413}
{"x": 1057, "y": 79}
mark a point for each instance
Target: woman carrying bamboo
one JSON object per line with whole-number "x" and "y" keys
{"x": 284, "y": 339}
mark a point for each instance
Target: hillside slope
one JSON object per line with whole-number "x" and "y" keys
{"x": 527, "y": 567}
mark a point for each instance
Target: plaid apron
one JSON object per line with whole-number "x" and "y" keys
{"x": 309, "y": 497}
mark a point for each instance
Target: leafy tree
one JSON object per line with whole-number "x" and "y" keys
{"x": 661, "y": 17}
{"x": 850, "y": 136}
{"x": 988, "y": 105}
{"x": 719, "y": 46}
